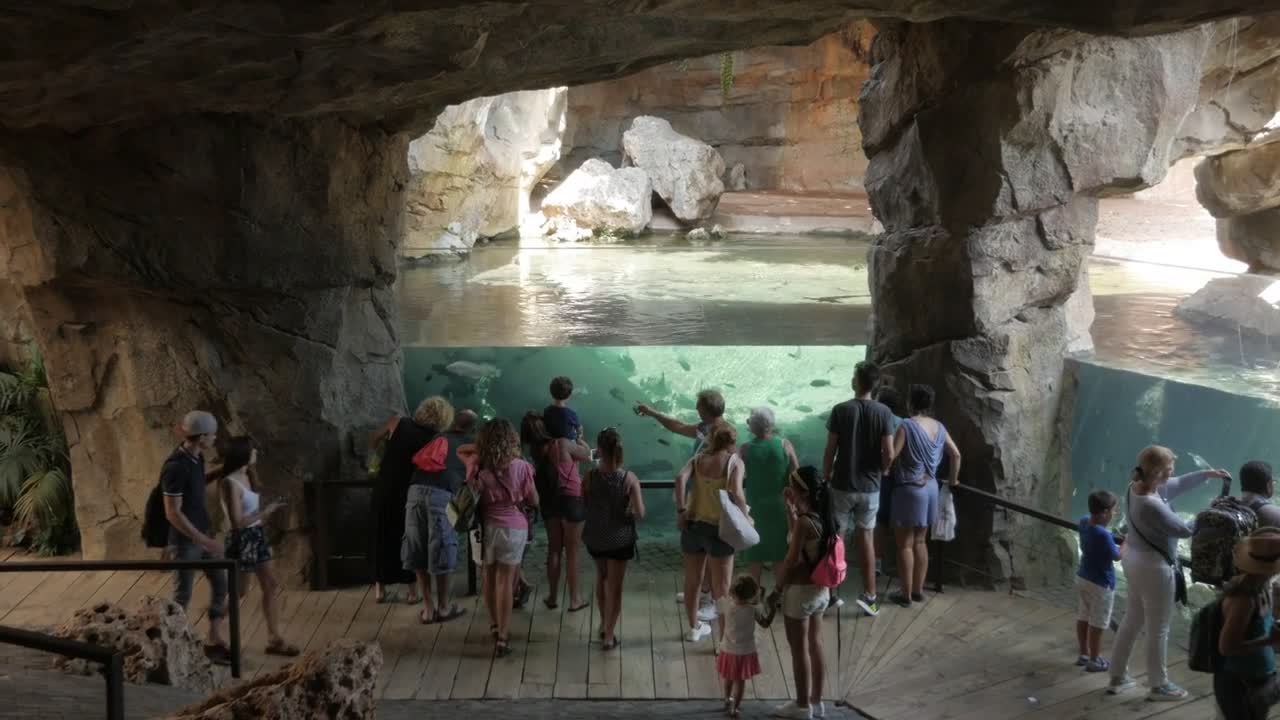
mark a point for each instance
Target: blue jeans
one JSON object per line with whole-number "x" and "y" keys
{"x": 184, "y": 580}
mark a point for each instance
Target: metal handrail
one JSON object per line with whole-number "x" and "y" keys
{"x": 111, "y": 660}
{"x": 233, "y": 583}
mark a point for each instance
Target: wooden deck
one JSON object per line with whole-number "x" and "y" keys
{"x": 964, "y": 654}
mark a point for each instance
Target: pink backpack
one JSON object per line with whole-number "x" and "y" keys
{"x": 831, "y": 569}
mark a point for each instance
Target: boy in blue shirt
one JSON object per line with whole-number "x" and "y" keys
{"x": 1096, "y": 579}
{"x": 560, "y": 419}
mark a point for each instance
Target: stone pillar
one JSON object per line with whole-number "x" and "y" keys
{"x": 233, "y": 265}
{"x": 987, "y": 144}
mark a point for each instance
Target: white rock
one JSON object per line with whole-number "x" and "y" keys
{"x": 718, "y": 231}
{"x": 470, "y": 177}
{"x": 1234, "y": 305}
{"x": 685, "y": 172}
{"x": 598, "y": 196}
{"x": 738, "y": 177}
{"x": 698, "y": 235}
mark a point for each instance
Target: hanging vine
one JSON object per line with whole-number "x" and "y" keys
{"x": 726, "y": 74}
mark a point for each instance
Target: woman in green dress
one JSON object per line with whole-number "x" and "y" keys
{"x": 769, "y": 460}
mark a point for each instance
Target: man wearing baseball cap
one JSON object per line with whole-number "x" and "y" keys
{"x": 190, "y": 537}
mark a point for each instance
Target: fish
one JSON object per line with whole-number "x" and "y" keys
{"x": 685, "y": 364}
{"x": 804, "y": 408}
{"x": 771, "y": 401}
{"x": 820, "y": 383}
{"x": 731, "y": 385}
{"x": 664, "y": 441}
{"x": 616, "y": 394}
{"x": 428, "y": 377}
{"x": 475, "y": 371}
{"x": 795, "y": 355}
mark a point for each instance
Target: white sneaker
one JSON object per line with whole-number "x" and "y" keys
{"x": 679, "y": 598}
{"x": 819, "y": 709}
{"x": 793, "y": 711}
{"x": 706, "y": 608}
{"x": 697, "y": 632}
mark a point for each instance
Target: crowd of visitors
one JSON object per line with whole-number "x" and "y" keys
{"x": 878, "y": 469}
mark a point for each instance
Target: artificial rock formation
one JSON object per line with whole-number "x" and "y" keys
{"x": 986, "y": 143}
{"x": 202, "y": 202}
{"x": 157, "y": 641}
{"x": 470, "y": 177}
{"x": 789, "y": 120}
{"x": 686, "y": 172}
{"x": 598, "y": 196}
{"x": 240, "y": 267}
{"x": 1240, "y": 182}
{"x": 334, "y": 682}
{"x": 1245, "y": 304}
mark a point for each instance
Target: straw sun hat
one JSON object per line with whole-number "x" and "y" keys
{"x": 1259, "y": 553}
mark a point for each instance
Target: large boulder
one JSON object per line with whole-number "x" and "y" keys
{"x": 598, "y": 196}
{"x": 1241, "y": 304}
{"x": 470, "y": 177}
{"x": 1240, "y": 182}
{"x": 157, "y": 642}
{"x": 1252, "y": 238}
{"x": 336, "y": 681}
{"x": 685, "y": 172}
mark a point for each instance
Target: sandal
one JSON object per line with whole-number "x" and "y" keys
{"x": 611, "y": 644}
{"x": 387, "y": 597}
{"x": 579, "y": 608}
{"x": 446, "y": 614}
{"x": 427, "y": 620}
{"x": 493, "y": 630}
{"x": 551, "y": 604}
{"x": 501, "y": 647}
{"x": 282, "y": 648}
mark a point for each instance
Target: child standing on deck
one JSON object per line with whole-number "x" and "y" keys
{"x": 1096, "y": 579}
{"x": 737, "y": 660}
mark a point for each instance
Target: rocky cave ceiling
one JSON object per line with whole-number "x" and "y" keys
{"x": 72, "y": 65}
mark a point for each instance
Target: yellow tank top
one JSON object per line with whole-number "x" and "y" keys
{"x": 705, "y": 503}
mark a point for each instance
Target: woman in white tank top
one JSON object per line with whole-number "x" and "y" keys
{"x": 247, "y": 539}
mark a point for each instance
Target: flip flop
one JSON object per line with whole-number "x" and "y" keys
{"x": 501, "y": 647}
{"x": 611, "y": 645}
{"x": 452, "y": 612}
{"x": 580, "y": 608}
{"x": 387, "y": 597}
{"x": 422, "y": 617}
{"x": 551, "y": 604}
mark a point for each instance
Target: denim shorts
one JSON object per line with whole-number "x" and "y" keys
{"x": 430, "y": 543}
{"x": 855, "y": 510}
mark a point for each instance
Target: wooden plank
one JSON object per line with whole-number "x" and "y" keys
{"x": 506, "y": 676}
{"x": 831, "y": 624}
{"x": 340, "y": 615}
{"x": 700, "y": 659}
{"x": 408, "y": 647}
{"x": 254, "y": 633}
{"x": 16, "y": 593}
{"x": 442, "y": 646}
{"x": 636, "y": 633}
{"x": 542, "y": 647}
{"x": 114, "y": 590}
{"x": 152, "y": 583}
{"x": 477, "y": 657}
{"x": 670, "y": 678}
{"x": 573, "y": 656}
{"x": 300, "y": 627}
{"x": 1129, "y": 706}
{"x": 771, "y": 684}
{"x": 34, "y": 611}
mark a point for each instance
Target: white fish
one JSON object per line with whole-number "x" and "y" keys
{"x": 475, "y": 371}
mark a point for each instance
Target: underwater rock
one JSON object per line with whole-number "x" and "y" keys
{"x": 685, "y": 172}
{"x": 718, "y": 232}
{"x": 698, "y": 235}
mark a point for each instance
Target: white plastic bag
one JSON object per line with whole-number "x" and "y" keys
{"x": 944, "y": 527}
{"x": 735, "y": 528}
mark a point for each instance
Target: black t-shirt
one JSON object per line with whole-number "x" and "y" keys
{"x": 860, "y": 427}
{"x": 183, "y": 476}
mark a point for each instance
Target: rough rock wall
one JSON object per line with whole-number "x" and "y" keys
{"x": 209, "y": 262}
{"x": 986, "y": 143}
{"x": 790, "y": 117}
{"x": 470, "y": 177}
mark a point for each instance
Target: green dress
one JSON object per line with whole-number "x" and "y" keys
{"x": 767, "y": 468}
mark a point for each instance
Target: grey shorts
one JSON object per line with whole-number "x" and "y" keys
{"x": 504, "y": 546}
{"x": 701, "y": 538}
{"x": 430, "y": 543}
{"x": 854, "y": 510}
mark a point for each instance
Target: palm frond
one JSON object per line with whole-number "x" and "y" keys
{"x": 22, "y": 455}
{"x": 45, "y": 498}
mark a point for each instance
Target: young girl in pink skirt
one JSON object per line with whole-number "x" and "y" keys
{"x": 737, "y": 661}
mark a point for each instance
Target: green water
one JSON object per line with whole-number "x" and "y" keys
{"x": 800, "y": 384}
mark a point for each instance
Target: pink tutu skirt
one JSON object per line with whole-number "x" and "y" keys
{"x": 737, "y": 667}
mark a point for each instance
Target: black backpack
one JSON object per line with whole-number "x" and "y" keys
{"x": 1202, "y": 650}
{"x": 155, "y": 526}
{"x": 1218, "y": 529}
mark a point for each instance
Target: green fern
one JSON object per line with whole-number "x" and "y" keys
{"x": 726, "y": 74}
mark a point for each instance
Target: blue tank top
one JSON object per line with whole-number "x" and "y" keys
{"x": 1260, "y": 663}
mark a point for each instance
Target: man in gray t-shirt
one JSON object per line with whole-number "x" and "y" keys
{"x": 859, "y": 452}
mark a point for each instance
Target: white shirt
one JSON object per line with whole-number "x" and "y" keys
{"x": 739, "y": 627}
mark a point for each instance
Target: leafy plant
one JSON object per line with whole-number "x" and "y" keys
{"x": 726, "y": 74}
{"x": 35, "y": 473}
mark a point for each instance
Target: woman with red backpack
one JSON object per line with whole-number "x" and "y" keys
{"x": 803, "y": 599}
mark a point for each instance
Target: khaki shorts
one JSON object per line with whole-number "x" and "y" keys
{"x": 803, "y": 601}
{"x": 1095, "y": 603}
{"x": 504, "y": 546}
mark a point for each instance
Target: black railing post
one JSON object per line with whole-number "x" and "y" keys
{"x": 233, "y": 617}
{"x": 113, "y": 671}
